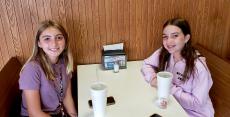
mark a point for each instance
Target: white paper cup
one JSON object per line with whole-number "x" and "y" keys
{"x": 99, "y": 97}
{"x": 164, "y": 82}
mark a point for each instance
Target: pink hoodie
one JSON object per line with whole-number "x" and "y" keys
{"x": 193, "y": 94}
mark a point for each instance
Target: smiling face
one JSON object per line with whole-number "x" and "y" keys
{"x": 52, "y": 42}
{"x": 174, "y": 40}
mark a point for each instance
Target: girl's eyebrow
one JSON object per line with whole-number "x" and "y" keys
{"x": 45, "y": 36}
{"x": 51, "y": 36}
{"x": 176, "y": 33}
{"x": 172, "y": 33}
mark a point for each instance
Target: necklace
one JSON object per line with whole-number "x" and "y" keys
{"x": 60, "y": 94}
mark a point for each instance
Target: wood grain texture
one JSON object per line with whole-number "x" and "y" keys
{"x": 94, "y": 23}
{"x": 219, "y": 93}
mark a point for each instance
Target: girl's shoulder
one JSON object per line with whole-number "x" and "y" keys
{"x": 200, "y": 62}
{"x": 33, "y": 63}
{"x": 33, "y": 66}
{"x": 157, "y": 52}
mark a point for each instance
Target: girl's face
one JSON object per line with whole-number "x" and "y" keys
{"x": 52, "y": 43}
{"x": 174, "y": 39}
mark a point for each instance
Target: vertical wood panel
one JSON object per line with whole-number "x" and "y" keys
{"x": 26, "y": 47}
{"x": 94, "y": 23}
{"x": 126, "y": 36}
{"x": 47, "y": 9}
{"x": 41, "y": 10}
{"x": 114, "y": 22}
{"x": 33, "y": 14}
{"x": 132, "y": 25}
{"x": 28, "y": 24}
{"x": 14, "y": 29}
{"x": 96, "y": 30}
{"x": 120, "y": 14}
{"x": 108, "y": 19}
{"x": 4, "y": 51}
{"x": 6, "y": 29}
{"x": 90, "y": 39}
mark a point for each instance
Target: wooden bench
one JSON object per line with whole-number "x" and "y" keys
{"x": 220, "y": 71}
{"x": 10, "y": 95}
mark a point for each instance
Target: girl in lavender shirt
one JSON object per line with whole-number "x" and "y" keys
{"x": 45, "y": 79}
{"x": 191, "y": 77}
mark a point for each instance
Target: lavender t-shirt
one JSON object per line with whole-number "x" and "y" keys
{"x": 33, "y": 77}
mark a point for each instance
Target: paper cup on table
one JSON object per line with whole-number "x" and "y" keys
{"x": 98, "y": 92}
{"x": 164, "y": 82}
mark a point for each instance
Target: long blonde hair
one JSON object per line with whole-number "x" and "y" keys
{"x": 39, "y": 55}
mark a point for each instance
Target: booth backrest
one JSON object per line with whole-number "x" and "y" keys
{"x": 220, "y": 71}
{"x": 10, "y": 95}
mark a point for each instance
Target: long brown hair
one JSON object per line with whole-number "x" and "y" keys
{"x": 188, "y": 52}
{"x": 39, "y": 55}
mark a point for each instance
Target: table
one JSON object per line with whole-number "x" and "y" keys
{"x": 134, "y": 97}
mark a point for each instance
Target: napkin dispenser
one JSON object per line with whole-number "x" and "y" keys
{"x": 109, "y": 57}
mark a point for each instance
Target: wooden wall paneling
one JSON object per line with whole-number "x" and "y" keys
{"x": 200, "y": 24}
{"x": 140, "y": 39}
{"x": 1, "y": 50}
{"x": 47, "y": 8}
{"x": 14, "y": 29}
{"x": 102, "y": 24}
{"x": 108, "y": 19}
{"x": 132, "y": 30}
{"x": 30, "y": 33}
{"x": 7, "y": 31}
{"x": 62, "y": 12}
{"x": 84, "y": 30}
{"x": 25, "y": 46}
{"x": 120, "y": 14}
{"x": 149, "y": 31}
{"x": 70, "y": 26}
{"x": 77, "y": 33}
{"x": 198, "y": 9}
{"x": 219, "y": 42}
{"x": 4, "y": 51}
{"x": 40, "y": 10}
{"x": 126, "y": 32}
{"x": 91, "y": 40}
{"x": 226, "y": 51}
{"x": 158, "y": 20}
{"x": 1, "y": 56}
{"x": 96, "y": 30}
{"x": 1, "y": 60}
{"x": 207, "y": 20}
{"x": 194, "y": 21}
{"x": 54, "y": 10}
{"x": 156, "y": 32}
{"x": 144, "y": 33}
{"x": 211, "y": 23}
{"x": 33, "y": 14}
{"x": 114, "y": 22}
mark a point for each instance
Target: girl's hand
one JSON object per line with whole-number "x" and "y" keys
{"x": 153, "y": 82}
{"x": 162, "y": 103}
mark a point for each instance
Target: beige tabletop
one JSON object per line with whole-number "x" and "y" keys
{"x": 134, "y": 97}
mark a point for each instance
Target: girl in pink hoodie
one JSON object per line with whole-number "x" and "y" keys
{"x": 191, "y": 77}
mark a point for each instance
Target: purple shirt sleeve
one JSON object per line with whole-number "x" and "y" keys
{"x": 29, "y": 77}
{"x": 148, "y": 66}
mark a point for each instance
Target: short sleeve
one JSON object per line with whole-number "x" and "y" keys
{"x": 30, "y": 76}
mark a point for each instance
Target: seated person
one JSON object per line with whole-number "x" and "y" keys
{"x": 45, "y": 79}
{"x": 191, "y": 77}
